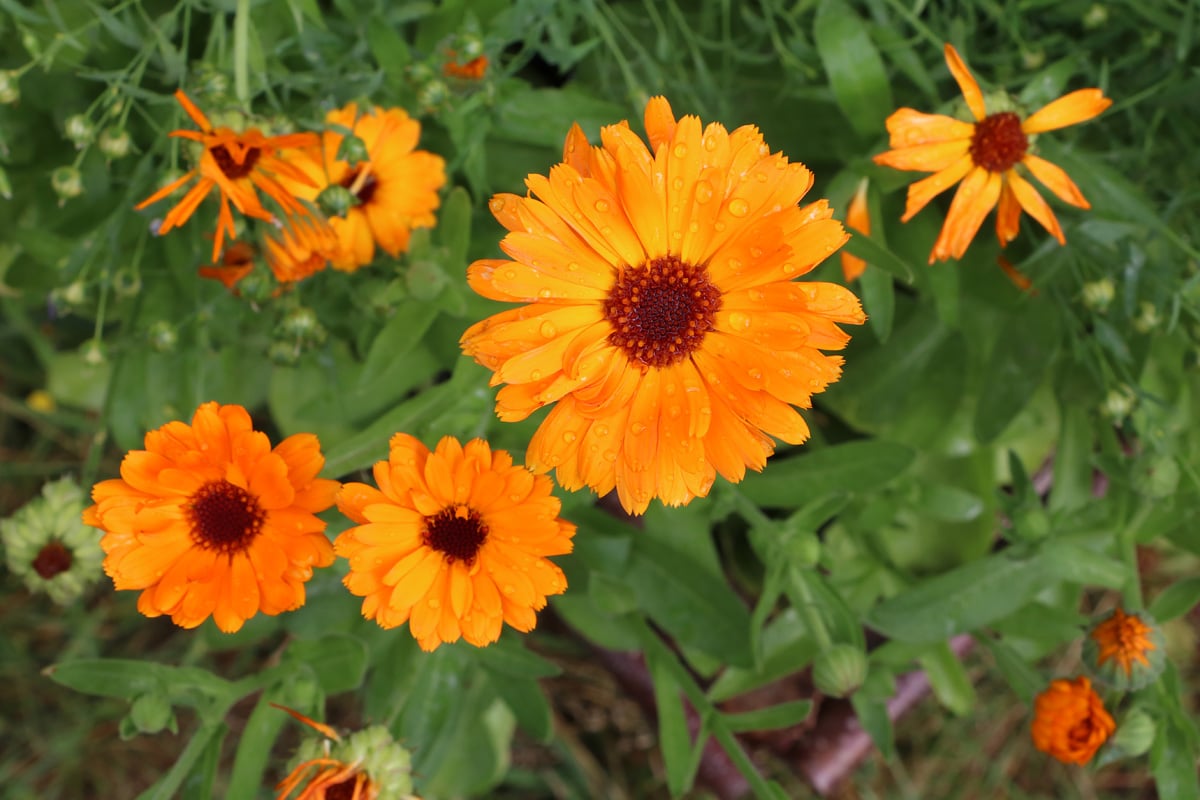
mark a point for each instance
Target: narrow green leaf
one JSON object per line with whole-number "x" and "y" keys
{"x": 1176, "y": 600}
{"x": 1073, "y": 460}
{"x": 454, "y": 229}
{"x": 879, "y": 301}
{"x": 862, "y": 466}
{"x": 1078, "y": 564}
{"x": 856, "y": 72}
{"x": 338, "y": 661}
{"x": 784, "y": 715}
{"x": 262, "y": 729}
{"x": 168, "y": 785}
{"x": 787, "y": 647}
{"x": 401, "y": 334}
{"x": 948, "y": 679}
{"x": 510, "y": 657}
{"x": 127, "y": 679}
{"x": 877, "y": 255}
{"x": 870, "y": 706}
{"x": 528, "y": 704}
{"x": 1023, "y": 679}
{"x": 673, "y": 739}
{"x": 1016, "y": 368}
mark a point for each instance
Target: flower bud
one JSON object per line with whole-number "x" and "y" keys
{"x": 336, "y": 200}
{"x": 162, "y": 336}
{"x": 1135, "y": 734}
{"x": 1032, "y": 59}
{"x": 352, "y": 150}
{"x": 114, "y": 143}
{"x": 1156, "y": 475}
{"x": 47, "y": 545}
{"x": 284, "y": 354}
{"x": 67, "y": 183}
{"x": 1098, "y": 295}
{"x": 1147, "y": 318}
{"x": 126, "y": 282}
{"x": 1125, "y": 651}
{"x": 1119, "y": 402}
{"x": 432, "y": 95}
{"x": 301, "y": 323}
{"x": 79, "y": 130}
{"x": 1095, "y": 16}
{"x": 151, "y": 713}
{"x": 839, "y": 670}
{"x": 93, "y": 353}
{"x": 10, "y": 87}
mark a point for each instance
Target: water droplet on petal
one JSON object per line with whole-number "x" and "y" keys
{"x": 602, "y": 206}
{"x": 739, "y": 207}
{"x": 637, "y": 428}
{"x": 569, "y": 436}
{"x": 680, "y": 151}
{"x": 548, "y": 330}
{"x": 704, "y": 191}
{"x": 677, "y": 184}
{"x": 573, "y": 267}
{"x": 545, "y": 294}
{"x": 508, "y": 589}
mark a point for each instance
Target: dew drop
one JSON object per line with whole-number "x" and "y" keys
{"x": 677, "y": 184}
{"x": 680, "y": 151}
{"x": 545, "y": 294}
{"x": 601, "y": 430}
{"x": 509, "y": 589}
{"x": 535, "y": 375}
{"x": 573, "y": 267}
{"x": 510, "y": 274}
{"x": 637, "y": 428}
{"x": 710, "y": 143}
{"x": 739, "y": 320}
{"x": 548, "y": 330}
{"x": 434, "y": 602}
{"x": 719, "y": 226}
{"x": 674, "y": 411}
{"x": 704, "y": 191}
{"x": 755, "y": 374}
{"x": 756, "y": 252}
{"x": 602, "y": 206}
{"x": 569, "y": 436}
{"x": 609, "y": 455}
{"x": 739, "y": 207}
{"x": 496, "y": 204}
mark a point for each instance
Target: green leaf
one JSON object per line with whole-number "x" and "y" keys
{"x": 697, "y": 608}
{"x": 807, "y": 586}
{"x": 127, "y": 679}
{"x": 528, "y": 704}
{"x": 338, "y": 661}
{"x": 1016, "y": 368}
{"x": 400, "y": 335}
{"x": 859, "y": 467}
{"x": 1076, "y": 563}
{"x": 207, "y": 736}
{"x": 856, "y": 72}
{"x": 961, "y": 600}
{"x": 787, "y": 647}
{"x": 543, "y": 116}
{"x": 1173, "y": 763}
{"x": 508, "y": 656}
{"x": 673, "y": 738}
{"x": 784, "y": 715}
{"x": 72, "y": 381}
{"x": 877, "y": 255}
{"x": 1176, "y": 600}
{"x": 454, "y": 228}
{"x": 879, "y": 301}
{"x": 948, "y": 679}
{"x": 947, "y": 503}
{"x": 262, "y": 729}
{"x": 1073, "y": 460}
{"x": 1022, "y": 678}
{"x": 870, "y": 705}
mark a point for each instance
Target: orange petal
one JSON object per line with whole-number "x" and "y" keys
{"x": 1034, "y": 205}
{"x": 970, "y": 89}
{"x": 909, "y": 127}
{"x": 193, "y": 111}
{"x": 1008, "y": 215}
{"x": 929, "y": 157}
{"x": 659, "y": 121}
{"x": 1078, "y": 106}
{"x": 575, "y": 152}
{"x": 1054, "y": 178}
{"x": 978, "y": 194}
{"x": 858, "y": 218}
{"x": 924, "y": 190}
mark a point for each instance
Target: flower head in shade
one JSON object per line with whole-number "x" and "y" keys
{"x": 471, "y": 70}
{"x": 297, "y": 250}
{"x": 857, "y": 217}
{"x": 1127, "y": 651}
{"x": 236, "y": 165}
{"x": 366, "y": 765}
{"x": 1070, "y": 722}
{"x": 392, "y": 186}
{"x": 48, "y": 547}
{"x": 210, "y": 520}
{"x": 454, "y": 542}
{"x": 984, "y": 156}
{"x": 661, "y": 315}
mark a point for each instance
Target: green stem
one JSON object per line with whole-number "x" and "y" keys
{"x": 808, "y": 609}
{"x": 1132, "y": 593}
{"x": 241, "y": 52}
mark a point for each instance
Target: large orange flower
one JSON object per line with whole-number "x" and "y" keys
{"x": 209, "y": 520}
{"x": 393, "y": 188}
{"x": 984, "y": 156}
{"x": 234, "y": 164}
{"x": 454, "y": 542}
{"x": 1070, "y": 722}
{"x": 663, "y": 319}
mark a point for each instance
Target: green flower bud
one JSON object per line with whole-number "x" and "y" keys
{"x": 151, "y": 713}
{"x": 335, "y": 200}
{"x": 1156, "y": 476}
{"x": 1098, "y": 295}
{"x": 10, "y": 87}
{"x": 1032, "y": 59}
{"x": 1135, "y": 735}
{"x": 1095, "y": 16}
{"x": 162, "y": 336}
{"x": 67, "y": 183}
{"x": 114, "y": 143}
{"x": 1119, "y": 402}
{"x": 73, "y": 294}
{"x": 126, "y": 282}
{"x": 1147, "y": 319}
{"x": 352, "y": 150}
{"x": 839, "y": 670}
{"x": 801, "y": 548}
{"x": 301, "y": 323}
{"x": 79, "y": 130}
{"x": 93, "y": 353}
{"x": 1125, "y": 651}
{"x": 432, "y": 95}
{"x": 49, "y": 547}
{"x": 285, "y": 354}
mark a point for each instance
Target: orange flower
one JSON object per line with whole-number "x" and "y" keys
{"x": 394, "y": 188}
{"x": 298, "y": 249}
{"x": 473, "y": 70}
{"x": 1126, "y": 650}
{"x": 209, "y": 520}
{"x": 453, "y": 542}
{"x": 237, "y": 261}
{"x": 857, "y": 218}
{"x": 662, "y": 318}
{"x": 984, "y": 156}
{"x": 367, "y": 765}
{"x": 1070, "y": 722}
{"x": 234, "y": 164}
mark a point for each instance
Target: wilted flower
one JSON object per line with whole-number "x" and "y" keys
{"x": 48, "y": 547}
{"x": 366, "y": 765}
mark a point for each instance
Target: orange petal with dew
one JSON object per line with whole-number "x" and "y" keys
{"x": 1035, "y": 205}
{"x": 978, "y": 195}
{"x": 924, "y": 190}
{"x": 1055, "y": 178}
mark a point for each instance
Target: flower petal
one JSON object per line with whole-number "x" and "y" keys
{"x": 1078, "y": 106}
{"x": 979, "y": 193}
{"x": 962, "y": 75}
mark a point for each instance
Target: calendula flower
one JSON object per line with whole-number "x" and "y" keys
{"x": 393, "y": 190}
{"x": 210, "y": 520}
{"x": 1126, "y": 651}
{"x": 299, "y": 249}
{"x": 1070, "y": 722}
{"x": 984, "y": 156}
{"x": 663, "y": 319}
{"x": 857, "y": 217}
{"x": 454, "y": 542}
{"x": 472, "y": 70}
{"x": 236, "y": 165}
{"x": 236, "y": 262}
{"x": 47, "y": 546}
{"x": 366, "y": 765}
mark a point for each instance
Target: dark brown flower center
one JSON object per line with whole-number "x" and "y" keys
{"x": 457, "y": 531}
{"x": 661, "y": 311}
{"x": 54, "y": 558}
{"x": 363, "y": 188}
{"x": 998, "y": 142}
{"x": 343, "y": 790}
{"x": 232, "y": 169}
{"x": 224, "y": 517}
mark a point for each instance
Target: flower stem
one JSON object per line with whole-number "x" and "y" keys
{"x": 241, "y": 51}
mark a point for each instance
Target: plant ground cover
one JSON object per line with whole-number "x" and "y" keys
{"x": 599, "y": 399}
